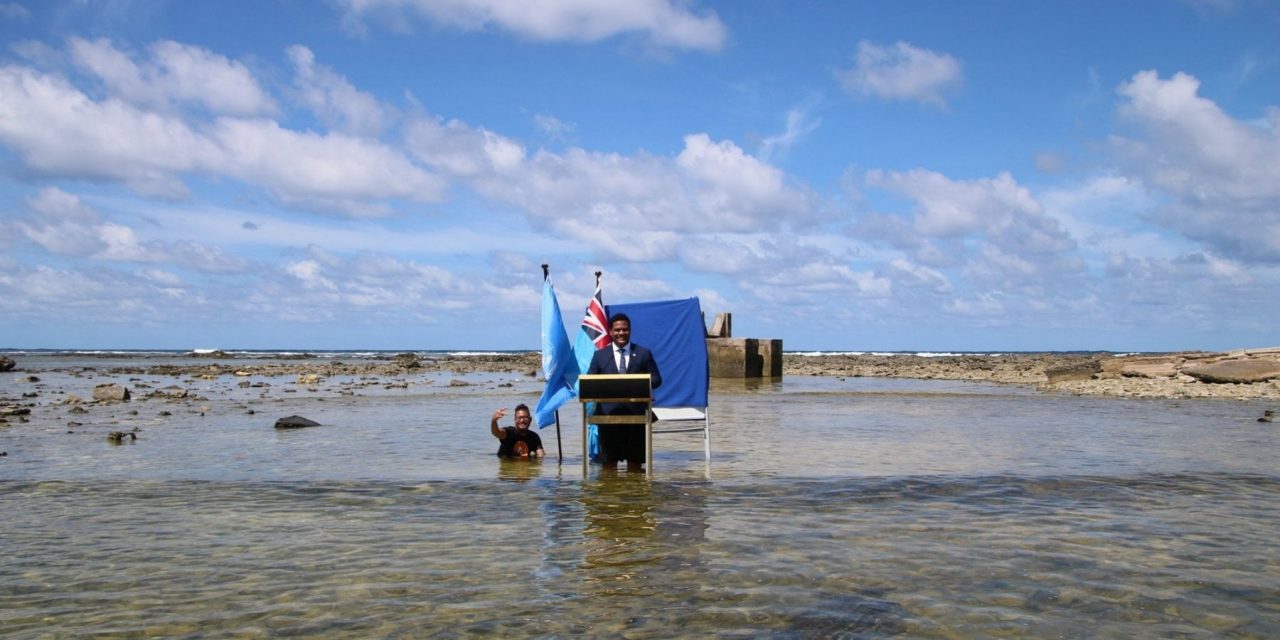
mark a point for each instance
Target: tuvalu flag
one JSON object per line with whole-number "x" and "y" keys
{"x": 558, "y": 364}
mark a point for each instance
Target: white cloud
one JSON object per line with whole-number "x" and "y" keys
{"x": 1223, "y": 174}
{"x": 58, "y": 130}
{"x": 332, "y": 169}
{"x": 553, "y": 127}
{"x": 982, "y": 305}
{"x": 907, "y": 273}
{"x": 947, "y": 208}
{"x": 310, "y": 273}
{"x": 798, "y": 125}
{"x": 63, "y": 225}
{"x": 462, "y": 151}
{"x": 335, "y": 100}
{"x": 902, "y": 72}
{"x": 606, "y": 198}
{"x": 176, "y": 73}
{"x": 663, "y": 23}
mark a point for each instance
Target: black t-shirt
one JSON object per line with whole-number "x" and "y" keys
{"x": 507, "y": 447}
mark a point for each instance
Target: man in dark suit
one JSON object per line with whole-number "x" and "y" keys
{"x": 623, "y": 441}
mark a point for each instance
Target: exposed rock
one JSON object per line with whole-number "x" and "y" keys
{"x": 1235, "y": 371}
{"x": 15, "y": 411}
{"x": 1130, "y": 376}
{"x": 408, "y": 360}
{"x": 1268, "y": 416}
{"x": 117, "y": 437}
{"x": 1071, "y": 372}
{"x": 110, "y": 393}
{"x": 295, "y": 422}
{"x": 7, "y": 363}
{"x": 171, "y": 391}
{"x": 1149, "y": 370}
{"x": 307, "y": 378}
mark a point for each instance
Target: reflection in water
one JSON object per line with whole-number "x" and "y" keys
{"x": 520, "y": 470}
{"x": 1154, "y": 556}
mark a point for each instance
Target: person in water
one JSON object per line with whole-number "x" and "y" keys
{"x": 518, "y": 441}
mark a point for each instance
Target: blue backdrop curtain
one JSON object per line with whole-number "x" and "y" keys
{"x": 674, "y": 332}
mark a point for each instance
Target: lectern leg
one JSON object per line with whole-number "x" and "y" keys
{"x": 648, "y": 442}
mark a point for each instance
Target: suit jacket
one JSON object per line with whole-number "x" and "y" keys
{"x": 640, "y": 361}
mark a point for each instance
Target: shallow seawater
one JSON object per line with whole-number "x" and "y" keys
{"x": 832, "y": 507}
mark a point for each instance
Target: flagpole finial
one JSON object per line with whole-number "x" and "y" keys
{"x": 546, "y": 271}
{"x": 598, "y": 276}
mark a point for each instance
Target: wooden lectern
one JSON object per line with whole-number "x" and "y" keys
{"x": 630, "y": 388}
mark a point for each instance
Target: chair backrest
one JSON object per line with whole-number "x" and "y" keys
{"x": 673, "y": 331}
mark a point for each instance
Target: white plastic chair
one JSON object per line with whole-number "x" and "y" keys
{"x": 682, "y": 420}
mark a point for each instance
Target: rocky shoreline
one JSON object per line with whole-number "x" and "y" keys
{"x": 1244, "y": 374}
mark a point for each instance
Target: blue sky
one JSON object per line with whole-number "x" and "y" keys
{"x": 390, "y": 174}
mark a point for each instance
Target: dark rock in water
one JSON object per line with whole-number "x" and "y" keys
{"x": 1268, "y": 416}
{"x": 117, "y": 437}
{"x": 1073, "y": 372}
{"x": 1235, "y": 371}
{"x": 295, "y": 422}
{"x": 7, "y": 363}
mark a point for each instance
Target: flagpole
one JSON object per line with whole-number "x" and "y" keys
{"x": 546, "y": 273}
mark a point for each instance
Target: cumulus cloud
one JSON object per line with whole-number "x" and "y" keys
{"x": 64, "y": 225}
{"x": 989, "y": 232}
{"x": 902, "y": 72}
{"x": 175, "y": 74}
{"x": 60, "y": 130}
{"x": 334, "y": 100}
{"x": 663, "y": 23}
{"x": 332, "y": 169}
{"x": 462, "y": 151}
{"x": 1223, "y": 174}
{"x": 606, "y": 197}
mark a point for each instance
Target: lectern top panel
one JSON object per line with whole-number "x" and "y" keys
{"x": 619, "y": 387}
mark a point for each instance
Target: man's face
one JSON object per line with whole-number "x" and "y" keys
{"x": 620, "y": 331}
{"x": 523, "y": 419}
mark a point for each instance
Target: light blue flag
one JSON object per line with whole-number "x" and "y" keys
{"x": 559, "y": 367}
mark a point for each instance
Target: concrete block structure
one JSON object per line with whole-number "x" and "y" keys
{"x": 730, "y": 357}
